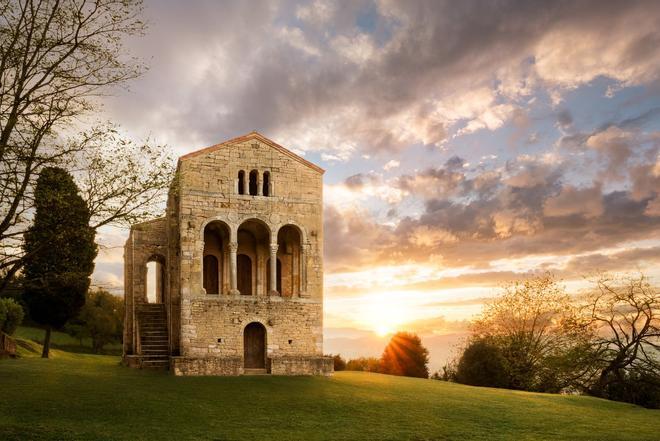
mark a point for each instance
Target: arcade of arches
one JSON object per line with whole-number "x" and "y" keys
{"x": 245, "y": 267}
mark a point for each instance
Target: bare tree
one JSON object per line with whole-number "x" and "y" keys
{"x": 623, "y": 315}
{"x": 56, "y": 58}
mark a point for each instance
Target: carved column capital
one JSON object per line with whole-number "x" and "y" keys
{"x": 233, "y": 247}
{"x": 273, "y": 248}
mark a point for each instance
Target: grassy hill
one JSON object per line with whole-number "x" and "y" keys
{"x": 80, "y": 396}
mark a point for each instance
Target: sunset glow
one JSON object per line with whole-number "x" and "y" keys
{"x": 457, "y": 156}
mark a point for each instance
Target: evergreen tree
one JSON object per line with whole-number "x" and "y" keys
{"x": 406, "y": 356}
{"x": 61, "y": 243}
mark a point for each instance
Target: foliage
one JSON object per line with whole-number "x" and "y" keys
{"x": 338, "y": 362}
{"x": 56, "y": 58}
{"x": 364, "y": 364}
{"x": 62, "y": 247}
{"x": 101, "y": 319}
{"x": 96, "y": 398}
{"x": 405, "y": 356}
{"x": 11, "y": 315}
{"x": 527, "y": 323}
{"x": 482, "y": 364}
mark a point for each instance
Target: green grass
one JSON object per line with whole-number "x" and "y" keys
{"x": 63, "y": 341}
{"x": 79, "y": 396}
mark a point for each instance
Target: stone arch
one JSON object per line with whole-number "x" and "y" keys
{"x": 216, "y": 237}
{"x": 254, "y": 183}
{"x": 155, "y": 291}
{"x": 253, "y": 240}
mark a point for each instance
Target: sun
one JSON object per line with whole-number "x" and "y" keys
{"x": 385, "y": 314}
{"x": 383, "y": 330}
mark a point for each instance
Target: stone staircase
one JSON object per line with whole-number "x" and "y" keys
{"x": 154, "y": 340}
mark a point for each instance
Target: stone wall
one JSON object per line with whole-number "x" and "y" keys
{"x": 146, "y": 242}
{"x": 206, "y": 329}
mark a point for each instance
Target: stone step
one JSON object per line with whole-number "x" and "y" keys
{"x": 250, "y": 371}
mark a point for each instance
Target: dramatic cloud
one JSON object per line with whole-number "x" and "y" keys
{"x": 466, "y": 143}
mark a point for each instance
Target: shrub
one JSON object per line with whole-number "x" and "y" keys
{"x": 11, "y": 315}
{"x": 339, "y": 363}
{"x": 365, "y": 364}
{"x": 482, "y": 364}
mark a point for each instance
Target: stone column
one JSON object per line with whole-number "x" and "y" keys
{"x": 303, "y": 270}
{"x": 273, "y": 269}
{"x": 233, "y": 248}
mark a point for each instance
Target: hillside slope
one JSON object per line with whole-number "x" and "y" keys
{"x": 77, "y": 396}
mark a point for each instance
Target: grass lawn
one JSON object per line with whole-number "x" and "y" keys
{"x": 79, "y": 396}
{"x": 63, "y": 341}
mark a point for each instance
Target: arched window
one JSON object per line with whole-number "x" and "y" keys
{"x": 214, "y": 265}
{"x": 241, "y": 182}
{"x": 266, "y": 189}
{"x": 254, "y": 176}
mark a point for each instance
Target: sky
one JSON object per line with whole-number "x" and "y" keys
{"x": 465, "y": 144}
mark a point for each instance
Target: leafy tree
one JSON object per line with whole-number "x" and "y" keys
{"x": 56, "y": 58}
{"x": 11, "y": 315}
{"x": 338, "y": 362}
{"x": 482, "y": 364}
{"x": 528, "y": 324}
{"x": 405, "y": 356}
{"x": 63, "y": 249}
{"x": 102, "y": 318}
{"x": 364, "y": 364}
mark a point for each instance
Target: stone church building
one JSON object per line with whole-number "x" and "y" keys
{"x": 238, "y": 261}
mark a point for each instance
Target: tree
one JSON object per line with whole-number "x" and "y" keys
{"x": 338, "y": 362}
{"x": 56, "y": 59}
{"x": 482, "y": 364}
{"x": 527, "y": 324}
{"x": 405, "y": 356}
{"x": 11, "y": 315}
{"x": 622, "y": 316}
{"x": 63, "y": 249}
{"x": 102, "y": 318}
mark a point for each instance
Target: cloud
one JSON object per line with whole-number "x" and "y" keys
{"x": 316, "y": 78}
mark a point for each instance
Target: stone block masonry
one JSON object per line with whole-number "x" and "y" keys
{"x": 241, "y": 270}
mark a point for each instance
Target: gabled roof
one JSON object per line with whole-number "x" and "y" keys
{"x": 258, "y": 136}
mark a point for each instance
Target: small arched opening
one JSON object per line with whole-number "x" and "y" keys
{"x": 155, "y": 279}
{"x": 254, "y": 346}
{"x": 254, "y": 178}
{"x": 241, "y": 182}
{"x": 266, "y": 184}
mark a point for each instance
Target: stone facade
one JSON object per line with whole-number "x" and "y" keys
{"x": 240, "y": 268}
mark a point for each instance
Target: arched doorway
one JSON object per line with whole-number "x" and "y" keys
{"x": 254, "y": 346}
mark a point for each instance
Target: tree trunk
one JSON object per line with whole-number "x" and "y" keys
{"x": 44, "y": 354}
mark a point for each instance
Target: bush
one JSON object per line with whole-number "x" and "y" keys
{"x": 641, "y": 388}
{"x": 365, "y": 364}
{"x": 482, "y": 364}
{"x": 11, "y": 315}
{"x": 339, "y": 363}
